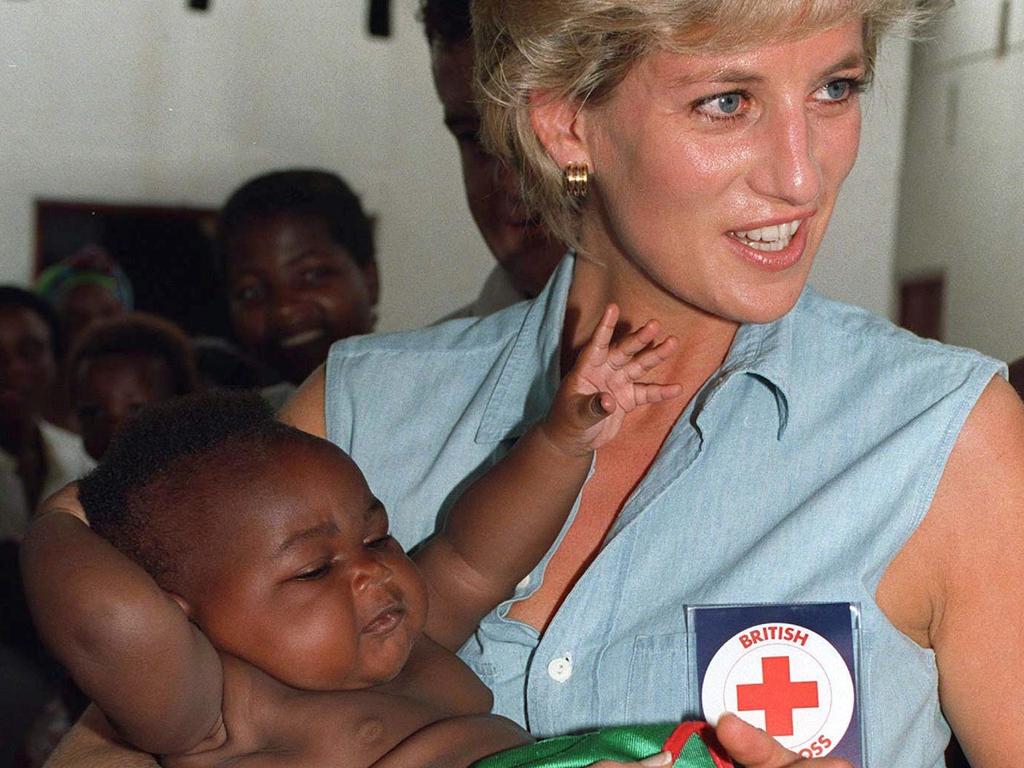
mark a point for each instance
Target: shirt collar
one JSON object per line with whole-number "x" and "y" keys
{"x": 762, "y": 351}
{"x": 520, "y": 397}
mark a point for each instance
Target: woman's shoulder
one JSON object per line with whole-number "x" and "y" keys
{"x": 852, "y": 336}
{"x": 460, "y": 335}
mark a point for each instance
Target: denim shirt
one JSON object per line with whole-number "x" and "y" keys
{"x": 795, "y": 474}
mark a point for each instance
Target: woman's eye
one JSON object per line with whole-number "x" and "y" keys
{"x": 722, "y": 106}
{"x": 840, "y": 90}
{"x": 314, "y": 573}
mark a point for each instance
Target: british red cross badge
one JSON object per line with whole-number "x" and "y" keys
{"x": 788, "y": 669}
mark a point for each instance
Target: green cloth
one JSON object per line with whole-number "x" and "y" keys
{"x": 626, "y": 744}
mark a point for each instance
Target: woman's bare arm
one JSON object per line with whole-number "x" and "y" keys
{"x": 958, "y": 585}
{"x": 127, "y": 644}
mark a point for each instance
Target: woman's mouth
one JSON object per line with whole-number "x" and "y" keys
{"x": 774, "y": 247}
{"x": 768, "y": 239}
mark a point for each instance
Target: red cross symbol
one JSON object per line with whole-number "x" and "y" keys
{"x": 778, "y": 696}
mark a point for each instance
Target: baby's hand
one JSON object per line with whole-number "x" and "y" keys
{"x": 604, "y": 385}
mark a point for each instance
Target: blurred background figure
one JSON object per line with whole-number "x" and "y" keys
{"x": 120, "y": 366}
{"x": 298, "y": 260}
{"x": 42, "y": 456}
{"x": 525, "y": 251}
{"x": 36, "y": 458}
{"x": 1017, "y": 376}
{"x": 84, "y": 288}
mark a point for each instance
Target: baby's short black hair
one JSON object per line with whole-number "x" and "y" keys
{"x": 141, "y": 335}
{"x": 302, "y": 192}
{"x": 15, "y": 297}
{"x": 147, "y": 496}
{"x": 447, "y": 23}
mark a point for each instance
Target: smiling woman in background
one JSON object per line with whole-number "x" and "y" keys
{"x": 298, "y": 259}
{"x": 692, "y": 151}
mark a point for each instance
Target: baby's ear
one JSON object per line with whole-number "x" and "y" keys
{"x": 181, "y": 601}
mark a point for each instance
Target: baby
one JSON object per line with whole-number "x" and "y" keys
{"x": 239, "y": 600}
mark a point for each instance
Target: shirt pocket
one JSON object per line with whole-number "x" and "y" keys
{"x": 658, "y": 689}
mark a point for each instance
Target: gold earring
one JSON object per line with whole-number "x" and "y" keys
{"x": 576, "y": 178}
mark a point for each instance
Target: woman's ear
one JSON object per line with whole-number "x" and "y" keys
{"x": 557, "y": 125}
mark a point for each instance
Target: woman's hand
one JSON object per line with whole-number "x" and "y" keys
{"x": 747, "y": 746}
{"x": 753, "y": 748}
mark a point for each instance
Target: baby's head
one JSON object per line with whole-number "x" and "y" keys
{"x": 268, "y": 538}
{"x": 122, "y": 365}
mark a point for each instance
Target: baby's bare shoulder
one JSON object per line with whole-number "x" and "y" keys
{"x": 268, "y": 723}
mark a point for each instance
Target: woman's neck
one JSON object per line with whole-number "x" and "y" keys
{"x": 704, "y": 339}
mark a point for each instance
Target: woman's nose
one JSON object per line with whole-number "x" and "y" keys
{"x": 787, "y": 168}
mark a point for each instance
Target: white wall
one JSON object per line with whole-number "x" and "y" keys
{"x": 962, "y": 210}
{"x": 856, "y": 260}
{"x": 140, "y": 101}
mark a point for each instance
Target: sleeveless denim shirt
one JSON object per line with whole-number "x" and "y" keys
{"x": 795, "y": 474}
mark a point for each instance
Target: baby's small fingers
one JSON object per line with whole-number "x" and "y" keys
{"x": 596, "y": 348}
{"x": 627, "y": 347}
{"x": 651, "y": 357}
{"x": 644, "y": 394}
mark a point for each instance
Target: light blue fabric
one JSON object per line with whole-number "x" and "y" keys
{"x": 795, "y": 474}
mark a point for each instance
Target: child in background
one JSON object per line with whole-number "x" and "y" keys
{"x": 263, "y": 613}
{"x": 120, "y": 366}
{"x": 297, "y": 257}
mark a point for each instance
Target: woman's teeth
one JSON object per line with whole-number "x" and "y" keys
{"x": 773, "y": 238}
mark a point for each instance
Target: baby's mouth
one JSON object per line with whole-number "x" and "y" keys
{"x": 386, "y": 620}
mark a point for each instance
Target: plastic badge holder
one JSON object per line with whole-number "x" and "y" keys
{"x": 790, "y": 669}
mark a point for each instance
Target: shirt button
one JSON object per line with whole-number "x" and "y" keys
{"x": 560, "y": 669}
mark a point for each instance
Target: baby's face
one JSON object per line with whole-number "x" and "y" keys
{"x": 309, "y": 586}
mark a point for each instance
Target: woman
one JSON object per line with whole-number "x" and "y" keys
{"x": 821, "y": 454}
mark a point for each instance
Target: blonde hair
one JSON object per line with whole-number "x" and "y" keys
{"x": 581, "y": 50}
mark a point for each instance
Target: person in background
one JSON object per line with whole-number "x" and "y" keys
{"x": 43, "y": 457}
{"x": 297, "y": 255}
{"x": 122, "y": 365}
{"x": 525, "y": 251}
{"x": 36, "y": 458}
{"x": 84, "y": 288}
{"x": 1017, "y": 376}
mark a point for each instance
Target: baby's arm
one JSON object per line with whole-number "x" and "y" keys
{"x": 502, "y": 526}
{"x": 127, "y": 644}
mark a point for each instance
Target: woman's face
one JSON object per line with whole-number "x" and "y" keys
{"x": 716, "y": 175}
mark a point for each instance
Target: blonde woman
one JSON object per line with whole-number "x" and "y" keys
{"x": 692, "y": 152}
